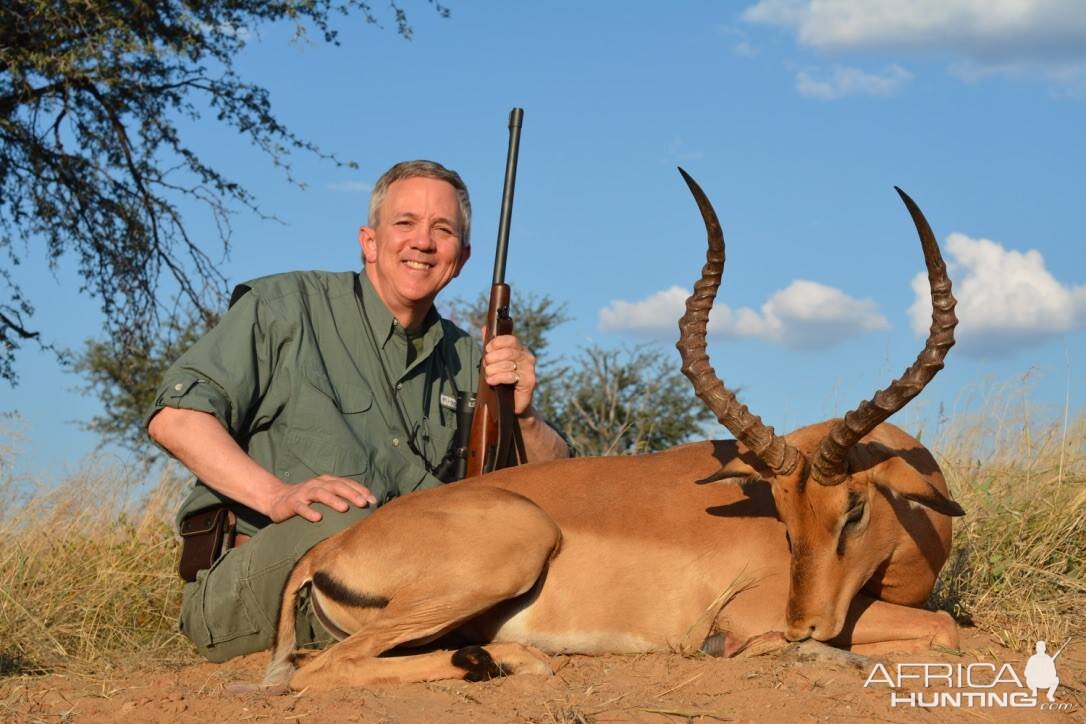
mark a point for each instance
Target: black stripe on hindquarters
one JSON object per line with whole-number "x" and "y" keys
{"x": 478, "y": 664}
{"x": 341, "y": 594}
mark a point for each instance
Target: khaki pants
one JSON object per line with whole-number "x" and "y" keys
{"x": 232, "y": 608}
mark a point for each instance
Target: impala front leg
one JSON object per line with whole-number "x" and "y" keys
{"x": 874, "y": 627}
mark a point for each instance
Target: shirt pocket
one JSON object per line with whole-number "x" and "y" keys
{"x": 325, "y": 429}
{"x": 348, "y": 397}
{"x": 318, "y": 456}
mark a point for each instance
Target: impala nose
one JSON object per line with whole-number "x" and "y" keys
{"x": 820, "y": 627}
{"x": 800, "y": 632}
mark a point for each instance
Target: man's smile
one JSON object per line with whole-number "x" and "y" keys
{"x": 420, "y": 265}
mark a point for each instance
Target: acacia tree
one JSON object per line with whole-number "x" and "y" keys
{"x": 94, "y": 164}
{"x": 126, "y": 384}
{"x": 623, "y": 401}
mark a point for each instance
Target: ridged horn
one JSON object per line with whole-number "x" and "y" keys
{"x": 748, "y": 428}
{"x": 828, "y": 466}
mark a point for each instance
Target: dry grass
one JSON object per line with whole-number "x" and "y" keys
{"x": 1017, "y": 568}
{"x": 88, "y": 580}
{"x": 87, "y": 575}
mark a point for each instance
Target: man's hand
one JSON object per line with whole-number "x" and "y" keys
{"x": 199, "y": 441}
{"x": 335, "y": 492}
{"x": 506, "y": 362}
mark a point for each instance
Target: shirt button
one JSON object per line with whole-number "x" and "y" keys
{"x": 399, "y": 385}
{"x": 178, "y": 386}
{"x": 395, "y": 442}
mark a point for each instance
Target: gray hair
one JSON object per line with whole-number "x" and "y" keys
{"x": 426, "y": 169}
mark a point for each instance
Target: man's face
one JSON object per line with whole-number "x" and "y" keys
{"x": 415, "y": 249}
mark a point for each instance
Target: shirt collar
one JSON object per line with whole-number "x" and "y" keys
{"x": 385, "y": 326}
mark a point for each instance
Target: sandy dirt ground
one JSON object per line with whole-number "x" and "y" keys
{"x": 786, "y": 684}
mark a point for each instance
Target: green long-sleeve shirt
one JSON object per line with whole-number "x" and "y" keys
{"x": 294, "y": 375}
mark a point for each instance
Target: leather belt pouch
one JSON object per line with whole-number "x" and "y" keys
{"x": 205, "y": 536}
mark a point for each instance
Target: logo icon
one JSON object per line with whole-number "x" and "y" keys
{"x": 973, "y": 684}
{"x": 1041, "y": 670}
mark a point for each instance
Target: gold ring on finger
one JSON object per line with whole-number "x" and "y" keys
{"x": 516, "y": 378}
{"x": 514, "y": 365}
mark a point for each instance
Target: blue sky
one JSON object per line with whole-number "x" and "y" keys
{"x": 796, "y": 118}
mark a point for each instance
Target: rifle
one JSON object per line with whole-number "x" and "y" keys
{"x": 496, "y": 440}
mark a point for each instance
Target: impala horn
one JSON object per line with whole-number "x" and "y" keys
{"x": 829, "y": 464}
{"x": 747, "y": 427}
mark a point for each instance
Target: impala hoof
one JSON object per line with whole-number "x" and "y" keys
{"x": 478, "y": 664}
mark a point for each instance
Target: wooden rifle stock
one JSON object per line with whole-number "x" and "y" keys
{"x": 496, "y": 440}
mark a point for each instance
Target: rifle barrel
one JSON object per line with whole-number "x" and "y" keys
{"x": 516, "y": 119}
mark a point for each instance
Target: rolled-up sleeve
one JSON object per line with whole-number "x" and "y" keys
{"x": 227, "y": 371}
{"x": 189, "y": 389}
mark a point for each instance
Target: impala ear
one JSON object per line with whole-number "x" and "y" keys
{"x": 733, "y": 471}
{"x": 900, "y": 480}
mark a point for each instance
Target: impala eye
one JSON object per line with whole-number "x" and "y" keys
{"x": 854, "y": 515}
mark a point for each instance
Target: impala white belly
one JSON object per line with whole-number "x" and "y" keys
{"x": 610, "y": 595}
{"x": 519, "y": 628}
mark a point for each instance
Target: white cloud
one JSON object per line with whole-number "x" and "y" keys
{"x": 653, "y": 314}
{"x": 1004, "y": 37}
{"x": 351, "y": 187}
{"x": 786, "y": 13}
{"x": 745, "y": 50}
{"x": 998, "y": 28}
{"x": 851, "y": 82}
{"x": 1066, "y": 79}
{"x": 1006, "y": 299}
{"x": 805, "y": 315}
{"x": 810, "y": 315}
{"x": 741, "y": 46}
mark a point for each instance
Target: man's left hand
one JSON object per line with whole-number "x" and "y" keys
{"x": 507, "y": 362}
